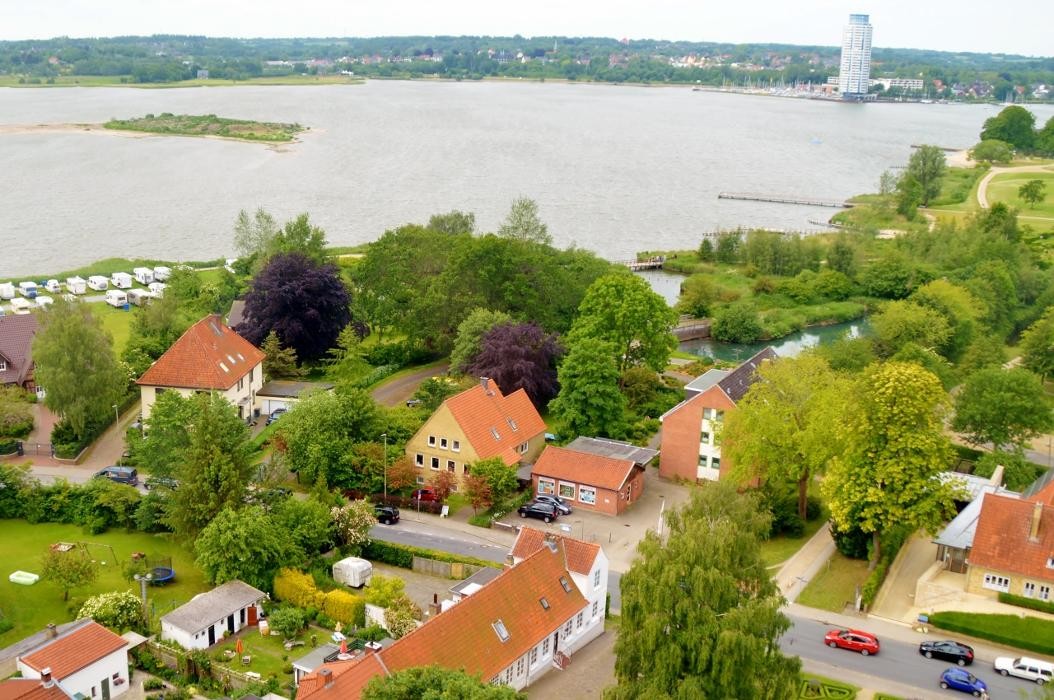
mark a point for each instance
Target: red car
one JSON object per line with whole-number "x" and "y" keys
{"x": 853, "y": 640}
{"x": 424, "y": 495}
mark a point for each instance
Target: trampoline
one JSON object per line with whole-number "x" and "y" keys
{"x": 160, "y": 575}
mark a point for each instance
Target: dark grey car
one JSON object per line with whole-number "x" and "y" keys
{"x": 560, "y": 504}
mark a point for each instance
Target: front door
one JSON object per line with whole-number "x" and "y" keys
{"x": 252, "y": 615}
{"x": 556, "y": 641}
{"x": 212, "y": 635}
{"x": 105, "y": 689}
{"x": 230, "y": 623}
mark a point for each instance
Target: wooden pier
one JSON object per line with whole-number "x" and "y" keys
{"x": 655, "y": 263}
{"x": 779, "y": 199}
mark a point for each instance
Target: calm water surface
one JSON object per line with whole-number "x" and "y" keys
{"x": 614, "y": 169}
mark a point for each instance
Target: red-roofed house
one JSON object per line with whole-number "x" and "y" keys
{"x": 479, "y": 423}
{"x": 208, "y": 357}
{"x": 87, "y": 659}
{"x": 30, "y": 689}
{"x": 589, "y": 481}
{"x": 512, "y": 631}
{"x": 1013, "y": 548}
{"x": 16, "y": 344}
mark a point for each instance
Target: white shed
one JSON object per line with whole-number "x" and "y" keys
{"x": 44, "y": 301}
{"x": 208, "y": 616}
{"x": 121, "y": 280}
{"x": 353, "y": 572}
{"x": 76, "y": 285}
{"x": 162, "y": 273}
{"x": 143, "y": 275}
{"x": 98, "y": 283}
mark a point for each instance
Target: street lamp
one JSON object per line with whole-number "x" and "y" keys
{"x": 116, "y": 415}
{"x": 385, "y": 437}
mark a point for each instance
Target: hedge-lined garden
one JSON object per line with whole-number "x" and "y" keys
{"x": 1030, "y": 633}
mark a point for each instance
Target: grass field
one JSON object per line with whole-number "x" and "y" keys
{"x": 117, "y": 321}
{"x": 1003, "y": 188}
{"x": 779, "y": 549}
{"x": 835, "y": 584}
{"x": 30, "y": 608}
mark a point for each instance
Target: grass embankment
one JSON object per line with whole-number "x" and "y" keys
{"x": 777, "y": 550}
{"x": 129, "y": 81}
{"x": 834, "y": 586}
{"x": 30, "y": 608}
{"x": 208, "y": 125}
{"x": 1030, "y": 633}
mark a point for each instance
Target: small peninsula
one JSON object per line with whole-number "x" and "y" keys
{"x": 209, "y": 125}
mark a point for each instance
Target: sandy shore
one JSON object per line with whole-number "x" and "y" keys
{"x": 960, "y": 159}
{"x": 17, "y": 129}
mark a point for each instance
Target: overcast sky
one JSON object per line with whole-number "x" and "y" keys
{"x": 1010, "y": 26}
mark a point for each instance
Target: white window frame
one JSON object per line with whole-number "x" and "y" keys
{"x": 715, "y": 463}
{"x": 1044, "y": 593}
{"x": 419, "y": 459}
{"x": 451, "y": 465}
{"x": 546, "y": 486}
{"x": 431, "y": 440}
{"x": 596, "y": 579}
{"x": 455, "y": 445}
{"x": 995, "y": 582}
{"x": 545, "y": 646}
{"x": 566, "y": 485}
{"x": 578, "y": 620}
{"x": 435, "y": 464}
{"x": 3, "y": 366}
{"x": 442, "y": 443}
{"x": 1028, "y": 590}
{"x": 524, "y": 447}
{"x": 587, "y": 494}
{"x": 596, "y": 608}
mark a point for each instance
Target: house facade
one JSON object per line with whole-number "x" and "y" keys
{"x": 208, "y": 357}
{"x": 208, "y": 617}
{"x": 690, "y": 447}
{"x": 87, "y": 661}
{"x": 16, "y": 345}
{"x": 479, "y": 423}
{"x": 588, "y": 481}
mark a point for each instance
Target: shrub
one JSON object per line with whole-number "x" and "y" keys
{"x": 1030, "y": 603}
{"x": 287, "y": 620}
{"x": 345, "y": 607}
{"x": 153, "y": 684}
{"x": 480, "y": 520}
{"x": 297, "y": 588}
{"x": 1029, "y": 633}
{"x": 403, "y": 555}
{"x": 852, "y": 543}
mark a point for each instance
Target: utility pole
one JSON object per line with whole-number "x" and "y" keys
{"x": 385, "y": 437}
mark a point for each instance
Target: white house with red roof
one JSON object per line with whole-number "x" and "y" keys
{"x": 513, "y": 630}
{"x": 87, "y": 660}
{"x": 479, "y": 423}
{"x": 209, "y": 357}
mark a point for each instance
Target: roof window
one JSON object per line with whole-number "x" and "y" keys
{"x": 494, "y": 432}
{"x": 512, "y": 424}
{"x": 565, "y": 584}
{"x": 232, "y": 360}
{"x": 544, "y": 602}
{"x": 499, "y": 627}
{"x": 224, "y": 367}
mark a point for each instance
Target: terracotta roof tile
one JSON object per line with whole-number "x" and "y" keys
{"x": 16, "y": 342}
{"x": 583, "y": 467}
{"x": 1002, "y": 540}
{"x": 349, "y": 678}
{"x": 580, "y": 555}
{"x": 208, "y": 356}
{"x": 484, "y": 412}
{"x": 69, "y": 653}
{"x": 29, "y": 689}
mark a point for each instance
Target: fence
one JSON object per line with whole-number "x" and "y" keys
{"x": 444, "y": 569}
{"x": 225, "y": 676}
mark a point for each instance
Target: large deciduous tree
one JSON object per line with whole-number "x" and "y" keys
{"x": 470, "y": 334}
{"x": 1002, "y": 407}
{"x": 1014, "y": 125}
{"x": 74, "y": 361}
{"x": 435, "y": 682}
{"x": 1032, "y": 192}
{"x": 519, "y": 356}
{"x": 166, "y": 434}
{"x": 1037, "y": 346}
{"x": 352, "y": 522}
{"x": 903, "y": 322}
{"x": 304, "y": 302}
{"x": 894, "y": 447}
{"x": 928, "y": 165}
{"x": 523, "y": 223}
{"x": 961, "y": 309}
{"x": 245, "y": 545}
{"x": 621, "y": 309}
{"x": 255, "y": 235}
{"x": 590, "y": 402}
{"x": 700, "y": 614}
{"x": 453, "y": 222}
{"x": 781, "y": 430}
{"x": 500, "y": 477}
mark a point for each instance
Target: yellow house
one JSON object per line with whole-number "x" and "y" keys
{"x": 479, "y": 423}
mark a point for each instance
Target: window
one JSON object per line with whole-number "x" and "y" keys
{"x": 512, "y": 424}
{"x": 508, "y": 675}
{"x": 115, "y": 676}
{"x": 566, "y": 586}
{"x": 499, "y": 628}
{"x": 3, "y": 366}
{"x": 596, "y": 579}
{"x": 587, "y": 494}
{"x": 719, "y": 416}
{"x": 534, "y": 656}
{"x": 450, "y": 465}
{"x": 596, "y": 607}
{"x": 420, "y": 480}
{"x": 464, "y": 470}
{"x": 419, "y": 459}
{"x": 455, "y": 445}
{"x": 519, "y": 666}
{"x": 435, "y": 463}
{"x": 442, "y": 443}
{"x": 708, "y": 413}
{"x": 996, "y": 582}
{"x": 1029, "y": 590}
{"x": 524, "y": 447}
{"x": 567, "y": 629}
{"x": 544, "y": 602}
{"x": 431, "y": 440}
{"x": 241, "y": 383}
{"x": 1050, "y": 563}
{"x": 715, "y": 462}
{"x": 545, "y": 647}
{"x": 578, "y": 620}
{"x": 546, "y": 486}
{"x": 494, "y": 434}
{"x": 1044, "y": 592}
{"x": 242, "y": 616}
{"x": 702, "y": 460}
{"x": 704, "y": 437}
{"x": 567, "y": 490}
{"x": 93, "y": 691}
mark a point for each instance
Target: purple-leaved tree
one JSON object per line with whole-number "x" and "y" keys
{"x": 519, "y": 355}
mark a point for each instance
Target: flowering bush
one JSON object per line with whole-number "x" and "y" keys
{"x": 118, "y": 610}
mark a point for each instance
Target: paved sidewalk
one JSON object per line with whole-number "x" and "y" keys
{"x": 800, "y": 568}
{"x": 896, "y": 599}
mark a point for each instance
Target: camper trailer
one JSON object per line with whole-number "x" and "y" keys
{"x": 53, "y": 286}
{"x": 162, "y": 273}
{"x": 7, "y": 291}
{"x": 98, "y": 283}
{"x": 76, "y": 285}
{"x": 28, "y": 289}
{"x": 158, "y": 288}
{"x": 353, "y": 572}
{"x": 121, "y": 280}
{"x": 44, "y": 302}
{"x": 117, "y": 298}
{"x": 20, "y": 306}
{"x": 143, "y": 275}
{"x": 140, "y": 297}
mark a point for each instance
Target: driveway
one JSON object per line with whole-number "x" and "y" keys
{"x": 398, "y": 389}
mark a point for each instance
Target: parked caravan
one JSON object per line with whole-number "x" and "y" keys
{"x": 139, "y": 297}
{"x": 20, "y": 306}
{"x": 158, "y": 288}
{"x": 117, "y": 298}
{"x": 28, "y": 289}
{"x": 7, "y": 291}
{"x": 143, "y": 275}
{"x": 121, "y": 280}
{"x": 162, "y": 273}
{"x": 76, "y": 285}
{"x": 98, "y": 283}
{"x": 53, "y": 286}
{"x": 44, "y": 301}
{"x": 353, "y": 572}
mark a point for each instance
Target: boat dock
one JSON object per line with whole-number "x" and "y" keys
{"x": 780, "y": 199}
{"x": 655, "y": 263}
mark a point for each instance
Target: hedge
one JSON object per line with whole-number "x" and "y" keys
{"x": 893, "y": 539}
{"x": 813, "y": 686}
{"x": 1030, "y": 603}
{"x": 1030, "y": 633}
{"x": 402, "y": 555}
{"x": 297, "y": 588}
{"x": 345, "y": 607}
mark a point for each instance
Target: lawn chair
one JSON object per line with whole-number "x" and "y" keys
{"x": 246, "y": 660}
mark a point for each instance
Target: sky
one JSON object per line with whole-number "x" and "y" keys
{"x": 1011, "y": 26}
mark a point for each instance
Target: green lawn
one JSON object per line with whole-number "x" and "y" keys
{"x": 835, "y": 584}
{"x": 267, "y": 655}
{"x": 1003, "y": 188}
{"x": 117, "y": 321}
{"x": 30, "y": 608}
{"x": 779, "y": 549}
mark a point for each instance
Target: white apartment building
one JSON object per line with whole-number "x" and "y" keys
{"x": 855, "y": 73}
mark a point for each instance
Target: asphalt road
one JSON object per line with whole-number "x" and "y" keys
{"x": 897, "y": 662}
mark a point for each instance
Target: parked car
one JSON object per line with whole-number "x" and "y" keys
{"x": 424, "y": 495}
{"x": 388, "y": 515}
{"x": 560, "y": 504}
{"x": 853, "y": 640}
{"x": 1024, "y": 667}
{"x": 413, "y": 403}
{"x": 276, "y": 414}
{"x": 122, "y": 475}
{"x": 542, "y": 511}
{"x": 162, "y": 482}
{"x": 964, "y": 681}
{"x": 948, "y": 651}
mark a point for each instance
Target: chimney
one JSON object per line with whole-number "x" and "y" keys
{"x": 373, "y": 647}
{"x": 510, "y": 561}
{"x": 997, "y": 476}
{"x": 45, "y": 676}
{"x": 327, "y": 677}
{"x": 51, "y": 632}
{"x": 434, "y": 608}
{"x": 485, "y": 383}
{"x": 1037, "y": 515}
{"x": 550, "y": 542}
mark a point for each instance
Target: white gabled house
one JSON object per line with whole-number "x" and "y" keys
{"x": 85, "y": 661}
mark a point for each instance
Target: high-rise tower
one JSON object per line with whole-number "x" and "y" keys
{"x": 855, "y": 76}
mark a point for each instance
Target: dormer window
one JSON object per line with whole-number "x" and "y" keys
{"x": 1050, "y": 563}
{"x": 3, "y": 366}
{"x": 499, "y": 628}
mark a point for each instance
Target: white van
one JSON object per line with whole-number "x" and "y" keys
{"x": 158, "y": 288}
{"x": 121, "y": 280}
{"x": 1023, "y": 667}
{"x": 139, "y": 297}
{"x": 7, "y": 291}
{"x": 98, "y": 283}
{"x": 20, "y": 306}
{"x": 28, "y": 289}
{"x": 143, "y": 275}
{"x": 76, "y": 285}
{"x": 162, "y": 273}
{"x": 116, "y": 298}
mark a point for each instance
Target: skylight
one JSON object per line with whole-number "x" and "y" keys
{"x": 512, "y": 424}
{"x": 224, "y": 367}
{"x": 494, "y": 432}
{"x": 544, "y": 602}
{"x": 565, "y": 584}
{"x": 499, "y": 627}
